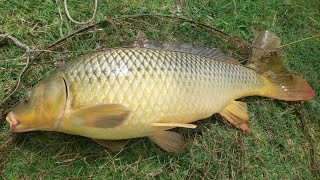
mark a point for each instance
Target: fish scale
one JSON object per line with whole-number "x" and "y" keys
{"x": 155, "y": 85}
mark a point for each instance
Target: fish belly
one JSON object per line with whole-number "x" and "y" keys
{"x": 156, "y": 86}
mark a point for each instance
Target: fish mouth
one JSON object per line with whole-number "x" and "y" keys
{"x": 12, "y": 121}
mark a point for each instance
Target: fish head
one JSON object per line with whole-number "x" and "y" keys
{"x": 40, "y": 107}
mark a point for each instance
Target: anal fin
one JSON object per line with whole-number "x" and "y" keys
{"x": 169, "y": 141}
{"x": 236, "y": 113}
{"x": 114, "y": 145}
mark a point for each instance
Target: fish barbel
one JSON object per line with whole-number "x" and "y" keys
{"x": 117, "y": 94}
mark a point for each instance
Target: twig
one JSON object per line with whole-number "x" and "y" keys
{"x": 238, "y": 42}
{"x": 15, "y": 40}
{"x": 73, "y": 34}
{"x": 300, "y": 40}
{"x": 50, "y": 51}
{"x": 77, "y": 22}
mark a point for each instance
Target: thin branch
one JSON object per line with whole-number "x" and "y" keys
{"x": 50, "y": 51}
{"x": 73, "y": 34}
{"x": 228, "y": 37}
{"x": 300, "y": 40}
{"x": 14, "y": 40}
{"x": 238, "y": 42}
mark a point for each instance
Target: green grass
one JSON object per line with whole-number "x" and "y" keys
{"x": 283, "y": 143}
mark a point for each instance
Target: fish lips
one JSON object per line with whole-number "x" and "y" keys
{"x": 12, "y": 121}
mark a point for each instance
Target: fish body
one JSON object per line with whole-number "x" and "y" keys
{"x": 123, "y": 93}
{"x": 156, "y": 86}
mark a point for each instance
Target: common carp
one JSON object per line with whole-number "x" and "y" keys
{"x": 116, "y": 94}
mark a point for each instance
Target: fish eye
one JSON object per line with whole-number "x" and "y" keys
{"x": 26, "y": 97}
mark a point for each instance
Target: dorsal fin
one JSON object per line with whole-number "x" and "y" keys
{"x": 214, "y": 53}
{"x": 264, "y": 45}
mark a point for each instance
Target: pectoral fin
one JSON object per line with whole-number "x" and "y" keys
{"x": 236, "y": 113}
{"x": 114, "y": 145}
{"x": 169, "y": 141}
{"x": 100, "y": 116}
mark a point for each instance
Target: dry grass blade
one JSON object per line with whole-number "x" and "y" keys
{"x": 300, "y": 40}
{"x": 15, "y": 41}
{"x": 83, "y": 29}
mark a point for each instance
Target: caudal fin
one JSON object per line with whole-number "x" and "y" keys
{"x": 279, "y": 83}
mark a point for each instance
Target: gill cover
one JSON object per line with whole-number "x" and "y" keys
{"x": 41, "y": 106}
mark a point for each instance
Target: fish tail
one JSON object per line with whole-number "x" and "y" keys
{"x": 278, "y": 82}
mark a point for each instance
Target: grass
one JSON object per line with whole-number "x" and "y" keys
{"x": 283, "y": 143}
